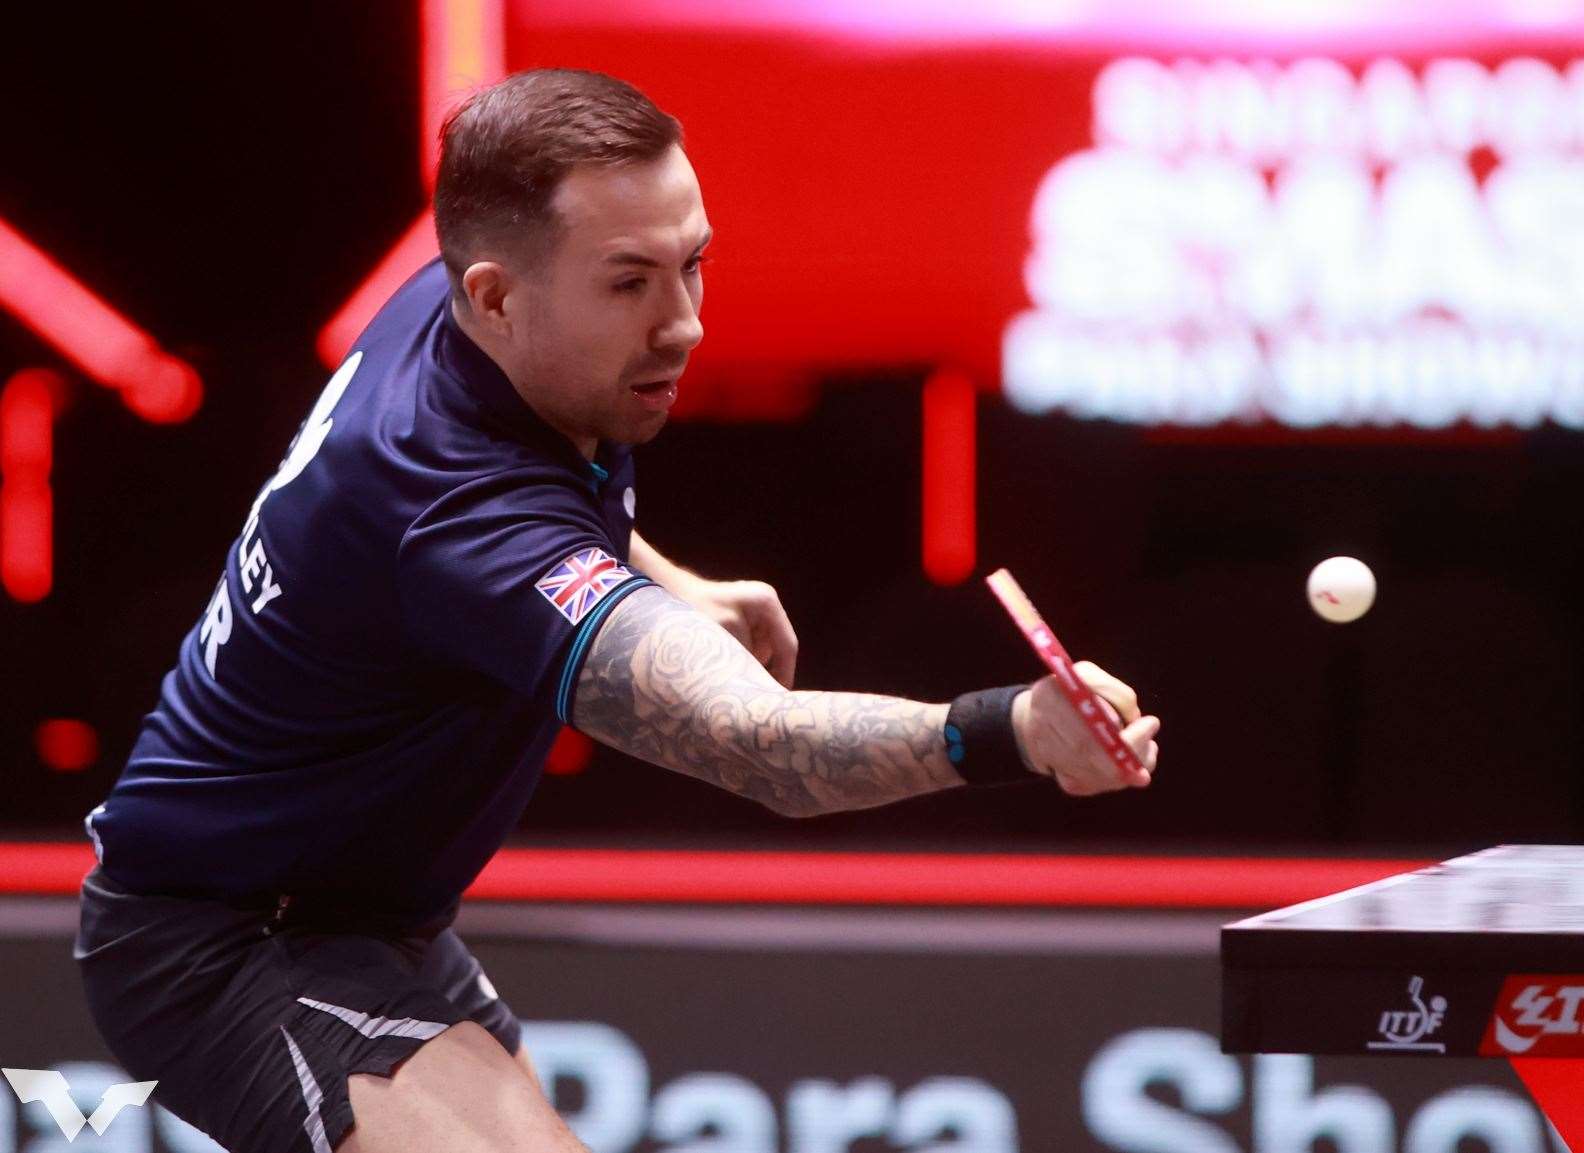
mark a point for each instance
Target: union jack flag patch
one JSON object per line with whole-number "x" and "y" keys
{"x": 581, "y": 581}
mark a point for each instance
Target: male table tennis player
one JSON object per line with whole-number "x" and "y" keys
{"x": 442, "y": 571}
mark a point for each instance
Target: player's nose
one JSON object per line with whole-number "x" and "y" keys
{"x": 684, "y": 333}
{"x": 681, "y": 329}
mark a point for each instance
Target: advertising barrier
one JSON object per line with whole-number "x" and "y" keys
{"x": 688, "y": 1030}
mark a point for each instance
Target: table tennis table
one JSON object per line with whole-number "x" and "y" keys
{"x": 1479, "y": 956}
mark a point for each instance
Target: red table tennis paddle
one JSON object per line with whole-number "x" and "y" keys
{"x": 1044, "y": 642}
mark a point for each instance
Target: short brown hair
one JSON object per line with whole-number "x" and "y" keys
{"x": 504, "y": 152}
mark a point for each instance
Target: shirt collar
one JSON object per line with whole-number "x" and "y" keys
{"x": 484, "y": 381}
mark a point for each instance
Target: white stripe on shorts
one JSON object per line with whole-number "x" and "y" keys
{"x": 314, "y": 1125}
{"x": 379, "y": 1026}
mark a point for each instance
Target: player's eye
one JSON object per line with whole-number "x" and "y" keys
{"x": 692, "y": 266}
{"x": 630, "y": 286}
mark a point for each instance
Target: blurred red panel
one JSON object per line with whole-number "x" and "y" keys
{"x": 943, "y": 879}
{"x": 27, "y": 416}
{"x": 570, "y": 754}
{"x": 67, "y": 746}
{"x": 96, "y": 338}
{"x": 949, "y": 481}
{"x": 871, "y": 206}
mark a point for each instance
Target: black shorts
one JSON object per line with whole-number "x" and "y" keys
{"x": 252, "y": 1025}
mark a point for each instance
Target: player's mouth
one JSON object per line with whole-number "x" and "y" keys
{"x": 656, "y": 395}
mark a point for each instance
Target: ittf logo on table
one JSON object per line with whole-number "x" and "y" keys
{"x": 578, "y": 583}
{"x": 1537, "y": 1015}
{"x": 1405, "y": 1030}
{"x": 48, "y": 1087}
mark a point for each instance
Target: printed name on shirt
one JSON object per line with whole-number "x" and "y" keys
{"x": 581, "y": 581}
{"x": 259, "y": 584}
{"x": 216, "y": 628}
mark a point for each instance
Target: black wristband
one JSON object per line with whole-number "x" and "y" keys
{"x": 980, "y": 741}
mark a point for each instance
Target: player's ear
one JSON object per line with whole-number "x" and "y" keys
{"x": 485, "y": 284}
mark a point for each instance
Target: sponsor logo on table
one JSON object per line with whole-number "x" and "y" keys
{"x": 1537, "y": 1015}
{"x": 1405, "y": 1030}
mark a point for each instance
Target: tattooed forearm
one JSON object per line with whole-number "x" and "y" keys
{"x": 666, "y": 684}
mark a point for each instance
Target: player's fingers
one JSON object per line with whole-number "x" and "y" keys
{"x": 1141, "y": 778}
{"x": 783, "y": 659}
{"x": 1141, "y": 734}
{"x": 774, "y": 628}
{"x": 1117, "y": 693}
{"x": 1122, "y": 698}
{"x": 739, "y": 625}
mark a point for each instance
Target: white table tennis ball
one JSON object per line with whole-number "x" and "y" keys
{"x": 1341, "y": 589}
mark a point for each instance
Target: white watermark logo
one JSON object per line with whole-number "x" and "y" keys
{"x": 48, "y": 1086}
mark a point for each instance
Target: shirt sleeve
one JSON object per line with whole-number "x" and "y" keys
{"x": 511, "y": 576}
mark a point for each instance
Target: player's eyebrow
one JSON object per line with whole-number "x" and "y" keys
{"x": 643, "y": 261}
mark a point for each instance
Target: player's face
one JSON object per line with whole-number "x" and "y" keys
{"x": 607, "y": 321}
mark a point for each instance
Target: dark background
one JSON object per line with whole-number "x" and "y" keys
{"x": 226, "y": 176}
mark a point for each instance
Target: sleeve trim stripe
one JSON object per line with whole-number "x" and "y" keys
{"x": 580, "y": 643}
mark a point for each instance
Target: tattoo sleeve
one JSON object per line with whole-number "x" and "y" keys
{"x": 664, "y": 683}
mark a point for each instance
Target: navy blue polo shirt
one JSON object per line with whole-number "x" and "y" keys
{"x": 363, "y": 709}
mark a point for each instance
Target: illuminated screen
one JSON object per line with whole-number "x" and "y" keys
{"x": 1309, "y": 227}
